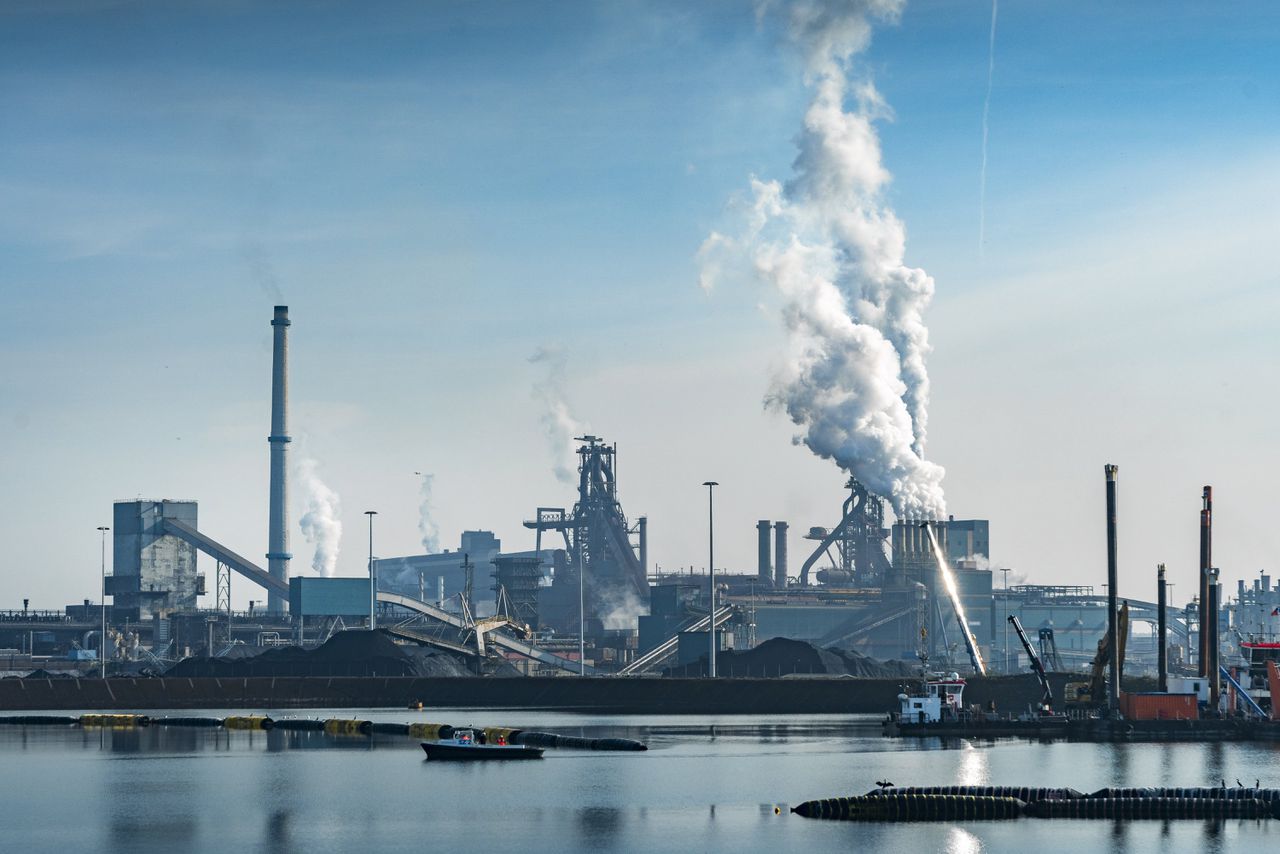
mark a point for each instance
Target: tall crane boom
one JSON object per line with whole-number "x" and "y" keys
{"x": 1046, "y": 697}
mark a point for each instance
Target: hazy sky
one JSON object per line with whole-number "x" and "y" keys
{"x": 438, "y": 190}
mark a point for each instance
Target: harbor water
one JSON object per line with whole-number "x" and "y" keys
{"x": 705, "y": 784}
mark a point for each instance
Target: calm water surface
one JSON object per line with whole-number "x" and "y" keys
{"x": 707, "y": 783}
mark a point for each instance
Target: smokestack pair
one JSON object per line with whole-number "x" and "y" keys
{"x": 778, "y": 576}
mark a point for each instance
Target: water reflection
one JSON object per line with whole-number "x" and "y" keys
{"x": 1214, "y": 764}
{"x": 973, "y": 767}
{"x": 169, "y": 789}
{"x": 599, "y": 826}
{"x": 277, "y": 835}
{"x": 168, "y": 831}
{"x": 1119, "y": 765}
{"x": 961, "y": 841}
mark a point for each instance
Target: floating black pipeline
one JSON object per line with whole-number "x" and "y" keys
{"x": 912, "y": 808}
{"x": 1237, "y": 793}
{"x": 40, "y": 720}
{"x": 299, "y": 724}
{"x": 1149, "y": 807}
{"x": 191, "y": 722}
{"x": 548, "y": 739}
{"x": 1022, "y": 793}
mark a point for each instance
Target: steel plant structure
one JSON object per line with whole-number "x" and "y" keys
{"x": 597, "y": 537}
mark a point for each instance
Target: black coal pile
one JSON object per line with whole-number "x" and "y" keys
{"x": 349, "y": 653}
{"x": 785, "y": 657}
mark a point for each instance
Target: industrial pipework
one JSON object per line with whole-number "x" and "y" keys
{"x": 1206, "y": 560}
{"x": 1162, "y": 637}
{"x": 278, "y": 517}
{"x": 1209, "y": 628}
{"x": 1113, "y": 678}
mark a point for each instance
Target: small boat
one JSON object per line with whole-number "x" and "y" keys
{"x": 938, "y": 709}
{"x": 468, "y": 746}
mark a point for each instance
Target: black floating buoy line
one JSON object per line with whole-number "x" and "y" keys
{"x": 989, "y": 803}
{"x": 331, "y": 726}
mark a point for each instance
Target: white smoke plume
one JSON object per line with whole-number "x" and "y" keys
{"x": 855, "y": 381}
{"x": 618, "y": 606}
{"x": 427, "y": 527}
{"x": 557, "y": 419}
{"x": 321, "y": 521}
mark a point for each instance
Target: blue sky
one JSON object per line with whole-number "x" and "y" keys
{"x": 437, "y": 190}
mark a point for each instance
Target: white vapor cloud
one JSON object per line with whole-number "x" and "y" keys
{"x": 321, "y": 521}
{"x": 558, "y": 421}
{"x": 855, "y": 381}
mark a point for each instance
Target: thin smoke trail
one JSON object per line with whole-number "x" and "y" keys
{"x": 557, "y": 418}
{"x": 986, "y": 114}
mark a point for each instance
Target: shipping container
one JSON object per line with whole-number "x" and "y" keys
{"x": 1159, "y": 707}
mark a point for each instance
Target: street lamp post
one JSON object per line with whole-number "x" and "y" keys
{"x": 711, "y": 571}
{"x": 582, "y": 616}
{"x": 102, "y": 530}
{"x": 1005, "y": 570}
{"x": 373, "y": 576}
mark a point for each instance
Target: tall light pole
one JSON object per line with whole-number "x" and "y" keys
{"x": 102, "y": 530}
{"x": 1005, "y": 570}
{"x": 373, "y": 576}
{"x": 711, "y": 570}
{"x": 582, "y": 616}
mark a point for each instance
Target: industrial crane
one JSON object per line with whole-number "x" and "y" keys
{"x": 1046, "y": 697}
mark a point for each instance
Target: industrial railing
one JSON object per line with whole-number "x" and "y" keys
{"x": 35, "y": 617}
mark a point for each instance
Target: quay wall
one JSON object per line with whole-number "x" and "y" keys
{"x": 618, "y": 695}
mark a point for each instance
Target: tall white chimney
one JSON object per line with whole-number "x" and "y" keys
{"x": 278, "y": 520}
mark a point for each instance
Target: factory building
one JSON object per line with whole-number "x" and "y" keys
{"x": 442, "y": 578}
{"x": 968, "y": 540}
{"x": 154, "y": 572}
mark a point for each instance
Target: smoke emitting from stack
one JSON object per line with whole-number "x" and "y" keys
{"x": 557, "y": 419}
{"x": 427, "y": 527}
{"x": 321, "y": 522}
{"x": 855, "y": 381}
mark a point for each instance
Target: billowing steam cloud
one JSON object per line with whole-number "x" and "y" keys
{"x": 557, "y": 420}
{"x": 321, "y": 522}
{"x": 855, "y": 382}
{"x": 427, "y": 527}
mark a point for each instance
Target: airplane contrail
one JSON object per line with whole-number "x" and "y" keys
{"x": 986, "y": 113}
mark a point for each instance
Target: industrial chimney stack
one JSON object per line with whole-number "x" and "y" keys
{"x": 780, "y": 555}
{"x": 278, "y": 520}
{"x": 764, "y": 529}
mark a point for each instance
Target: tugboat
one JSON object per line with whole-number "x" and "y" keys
{"x": 940, "y": 699}
{"x": 469, "y": 745}
{"x": 939, "y": 708}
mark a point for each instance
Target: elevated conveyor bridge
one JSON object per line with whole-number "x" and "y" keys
{"x": 486, "y": 632}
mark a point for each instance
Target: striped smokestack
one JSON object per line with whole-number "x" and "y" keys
{"x": 278, "y": 517}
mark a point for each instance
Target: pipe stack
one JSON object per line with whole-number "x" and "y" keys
{"x": 1113, "y": 678}
{"x": 278, "y": 516}
{"x": 780, "y": 555}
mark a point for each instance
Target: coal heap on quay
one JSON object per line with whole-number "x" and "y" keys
{"x": 785, "y": 657}
{"x": 349, "y": 653}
